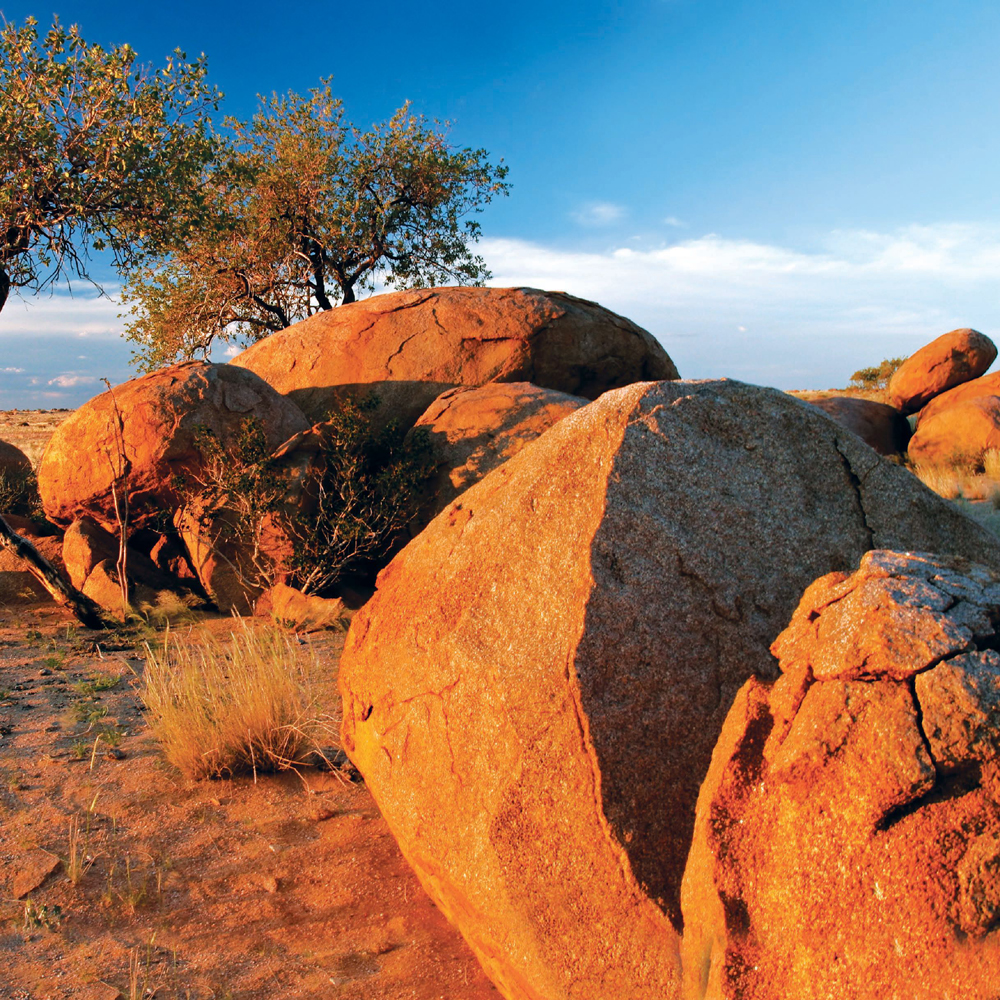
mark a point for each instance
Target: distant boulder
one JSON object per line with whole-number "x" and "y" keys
{"x": 149, "y": 428}
{"x": 534, "y": 692}
{"x": 880, "y": 426}
{"x": 959, "y": 434}
{"x": 410, "y": 346}
{"x": 847, "y": 840}
{"x": 13, "y": 461}
{"x": 473, "y": 430}
{"x": 977, "y": 388}
{"x": 953, "y": 358}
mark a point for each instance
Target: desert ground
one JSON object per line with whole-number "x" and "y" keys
{"x": 120, "y": 878}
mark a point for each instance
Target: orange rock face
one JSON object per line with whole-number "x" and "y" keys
{"x": 957, "y": 434}
{"x": 847, "y": 839}
{"x": 161, "y": 414}
{"x": 977, "y": 388}
{"x": 534, "y": 692}
{"x": 472, "y": 431}
{"x": 953, "y": 358}
{"x": 881, "y": 427}
{"x": 411, "y": 346}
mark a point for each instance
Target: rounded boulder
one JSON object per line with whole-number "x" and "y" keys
{"x": 977, "y": 388}
{"x": 880, "y": 426}
{"x": 847, "y": 839}
{"x": 949, "y": 360}
{"x": 959, "y": 434}
{"x": 145, "y": 433}
{"x": 534, "y": 692}
{"x": 409, "y": 347}
{"x": 472, "y": 431}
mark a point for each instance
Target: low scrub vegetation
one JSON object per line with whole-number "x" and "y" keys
{"x": 241, "y": 706}
{"x": 349, "y": 513}
{"x": 875, "y": 378}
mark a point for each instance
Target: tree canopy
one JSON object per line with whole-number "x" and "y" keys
{"x": 97, "y": 152}
{"x": 302, "y": 210}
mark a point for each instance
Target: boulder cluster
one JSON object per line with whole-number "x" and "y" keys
{"x": 540, "y": 689}
{"x": 130, "y": 481}
{"x": 942, "y": 409}
{"x": 667, "y": 693}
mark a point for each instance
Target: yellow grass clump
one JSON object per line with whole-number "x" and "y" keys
{"x": 964, "y": 481}
{"x": 243, "y": 705}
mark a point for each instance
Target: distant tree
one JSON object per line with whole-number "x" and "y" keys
{"x": 302, "y": 211}
{"x": 875, "y": 377}
{"x": 96, "y": 153}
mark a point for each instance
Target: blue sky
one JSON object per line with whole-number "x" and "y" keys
{"x": 780, "y": 191}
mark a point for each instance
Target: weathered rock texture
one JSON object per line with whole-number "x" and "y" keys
{"x": 987, "y": 385}
{"x": 534, "y": 691}
{"x": 847, "y": 842}
{"x": 880, "y": 426}
{"x": 951, "y": 359}
{"x": 90, "y": 555}
{"x": 148, "y": 428}
{"x": 472, "y": 431}
{"x": 411, "y": 346}
{"x": 958, "y": 434}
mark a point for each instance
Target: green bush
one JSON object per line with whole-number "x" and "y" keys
{"x": 366, "y": 485}
{"x": 877, "y": 377}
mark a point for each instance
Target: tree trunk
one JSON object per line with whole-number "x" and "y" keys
{"x": 51, "y": 579}
{"x": 4, "y": 287}
{"x": 348, "y": 294}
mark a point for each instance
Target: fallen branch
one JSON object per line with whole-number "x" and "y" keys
{"x": 51, "y": 579}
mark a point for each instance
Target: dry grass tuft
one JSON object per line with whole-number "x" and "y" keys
{"x": 241, "y": 706}
{"x": 964, "y": 480}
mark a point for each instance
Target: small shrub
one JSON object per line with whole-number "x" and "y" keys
{"x": 366, "y": 486}
{"x": 877, "y": 377}
{"x": 369, "y": 487}
{"x": 19, "y": 494}
{"x": 244, "y": 706}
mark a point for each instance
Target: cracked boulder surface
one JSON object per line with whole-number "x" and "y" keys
{"x": 942, "y": 364}
{"x": 411, "y": 346}
{"x": 148, "y": 428}
{"x": 471, "y": 431}
{"x": 847, "y": 840}
{"x": 534, "y": 692}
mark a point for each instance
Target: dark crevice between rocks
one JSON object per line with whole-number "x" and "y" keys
{"x": 949, "y": 783}
{"x": 852, "y": 478}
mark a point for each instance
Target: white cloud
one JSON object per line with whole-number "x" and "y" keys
{"x": 816, "y": 316}
{"x": 60, "y": 313}
{"x": 599, "y": 213}
{"x": 70, "y": 381}
{"x": 11, "y": 370}
{"x": 672, "y": 220}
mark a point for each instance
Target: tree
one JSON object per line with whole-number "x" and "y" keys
{"x": 97, "y": 153}
{"x": 302, "y": 211}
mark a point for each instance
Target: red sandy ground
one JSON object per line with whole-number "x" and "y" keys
{"x": 288, "y": 887}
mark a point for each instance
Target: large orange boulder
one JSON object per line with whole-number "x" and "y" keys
{"x": 949, "y": 360}
{"x": 411, "y": 346}
{"x": 847, "y": 841}
{"x": 472, "y": 431}
{"x": 977, "y": 388}
{"x": 534, "y": 691}
{"x": 880, "y": 426}
{"x": 959, "y": 434}
{"x": 149, "y": 428}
